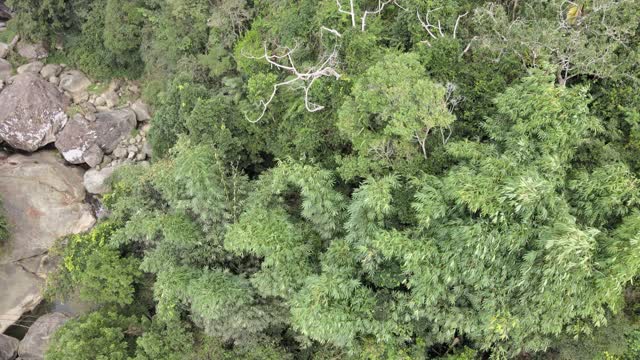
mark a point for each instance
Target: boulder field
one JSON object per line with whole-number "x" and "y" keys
{"x": 63, "y": 137}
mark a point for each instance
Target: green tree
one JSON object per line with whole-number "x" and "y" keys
{"x": 394, "y": 110}
{"x": 103, "y": 335}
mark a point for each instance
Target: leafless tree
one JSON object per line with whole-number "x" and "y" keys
{"x": 352, "y": 11}
{"x": 435, "y": 31}
{"x": 282, "y": 59}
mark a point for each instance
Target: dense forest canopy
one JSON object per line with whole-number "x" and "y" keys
{"x": 362, "y": 179}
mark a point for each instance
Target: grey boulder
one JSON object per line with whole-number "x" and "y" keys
{"x": 32, "y": 51}
{"x": 32, "y": 67}
{"x": 43, "y": 200}
{"x": 50, "y": 70}
{"x": 97, "y": 181}
{"x": 75, "y": 139}
{"x": 75, "y": 83}
{"x": 36, "y": 341}
{"x": 8, "y": 347}
{"x": 142, "y": 110}
{"x": 114, "y": 126}
{"x": 4, "y": 50}
{"x": 32, "y": 112}
{"x": 6, "y": 69}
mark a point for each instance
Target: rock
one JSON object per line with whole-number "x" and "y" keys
{"x": 75, "y": 82}
{"x": 120, "y": 152}
{"x": 1, "y": 85}
{"x": 88, "y": 108}
{"x": 31, "y": 51}
{"x": 32, "y": 67}
{"x": 32, "y": 186}
{"x": 132, "y": 148}
{"x": 146, "y": 149}
{"x": 6, "y": 70}
{"x": 35, "y": 342}
{"x": 4, "y": 50}
{"x": 131, "y": 155}
{"x": 132, "y": 141}
{"x": 138, "y": 138}
{"x": 50, "y": 70}
{"x": 54, "y": 80}
{"x": 140, "y": 157}
{"x": 8, "y": 347}
{"x": 106, "y": 160}
{"x": 110, "y": 98}
{"x": 100, "y": 101}
{"x": 32, "y": 112}
{"x": 96, "y": 181}
{"x": 91, "y": 117}
{"x": 133, "y": 88}
{"x": 5, "y": 12}
{"x": 142, "y": 110}
{"x": 114, "y": 85}
{"x": 93, "y": 156}
{"x": 75, "y": 139}
{"x": 81, "y": 97}
{"x": 114, "y": 126}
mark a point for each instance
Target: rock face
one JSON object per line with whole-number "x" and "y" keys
{"x": 8, "y": 347}
{"x": 35, "y": 343}
{"x": 32, "y": 112}
{"x": 43, "y": 200}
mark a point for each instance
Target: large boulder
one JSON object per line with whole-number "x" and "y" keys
{"x": 96, "y": 181}
{"x": 75, "y": 139}
{"x": 4, "y": 50}
{"x": 143, "y": 113}
{"x": 8, "y": 347}
{"x": 6, "y": 70}
{"x": 32, "y": 112}
{"x": 32, "y": 51}
{"x": 36, "y": 341}
{"x": 32, "y": 67}
{"x": 114, "y": 126}
{"x": 50, "y": 70}
{"x": 43, "y": 200}
{"x": 75, "y": 83}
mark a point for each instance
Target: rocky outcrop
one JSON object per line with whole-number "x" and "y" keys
{"x": 36, "y": 341}
{"x": 32, "y": 112}
{"x": 8, "y": 347}
{"x": 43, "y": 200}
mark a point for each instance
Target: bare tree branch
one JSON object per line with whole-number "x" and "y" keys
{"x": 307, "y": 77}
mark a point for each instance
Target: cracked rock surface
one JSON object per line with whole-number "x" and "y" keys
{"x": 43, "y": 200}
